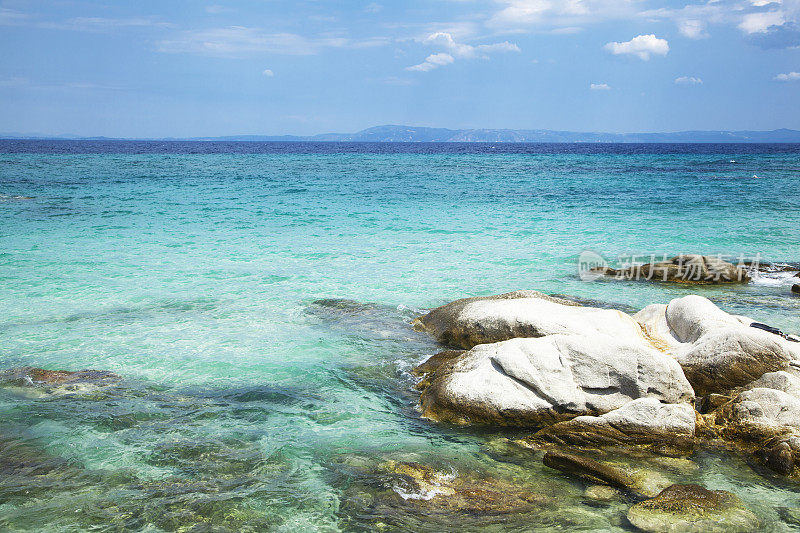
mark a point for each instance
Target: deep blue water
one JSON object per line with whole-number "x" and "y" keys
{"x": 255, "y": 147}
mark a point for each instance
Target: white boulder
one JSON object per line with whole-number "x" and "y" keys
{"x": 638, "y": 422}
{"x": 471, "y": 321}
{"x": 535, "y": 381}
{"x": 717, "y": 351}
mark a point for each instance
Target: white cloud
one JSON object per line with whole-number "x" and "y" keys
{"x": 520, "y": 15}
{"x": 641, "y": 46}
{"x": 104, "y": 25}
{"x": 268, "y": 73}
{"x": 774, "y": 23}
{"x": 693, "y": 29}
{"x": 240, "y": 40}
{"x": 374, "y": 7}
{"x": 445, "y": 41}
{"x": 452, "y": 49}
{"x": 600, "y": 87}
{"x": 789, "y": 76}
{"x": 9, "y": 17}
{"x": 432, "y": 61}
{"x": 25, "y": 83}
{"x": 505, "y": 46}
{"x": 761, "y": 22}
{"x": 688, "y": 80}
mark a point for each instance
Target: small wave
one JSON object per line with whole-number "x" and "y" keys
{"x": 413, "y": 310}
{"x": 774, "y": 279}
{"x": 9, "y": 198}
{"x": 421, "y": 494}
{"x": 428, "y": 489}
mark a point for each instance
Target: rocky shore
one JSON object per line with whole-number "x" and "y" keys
{"x": 585, "y": 417}
{"x": 670, "y": 378}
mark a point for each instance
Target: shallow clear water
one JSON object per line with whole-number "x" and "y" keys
{"x": 192, "y": 270}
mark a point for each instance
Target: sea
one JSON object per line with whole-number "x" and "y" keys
{"x": 256, "y": 300}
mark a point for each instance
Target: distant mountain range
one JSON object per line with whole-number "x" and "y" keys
{"x": 414, "y": 134}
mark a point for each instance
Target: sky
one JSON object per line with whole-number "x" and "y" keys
{"x": 188, "y": 68}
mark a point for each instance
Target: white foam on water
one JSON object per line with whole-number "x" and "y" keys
{"x": 422, "y": 494}
{"x": 774, "y": 279}
{"x": 428, "y": 490}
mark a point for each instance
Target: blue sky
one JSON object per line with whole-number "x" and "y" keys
{"x": 193, "y": 68}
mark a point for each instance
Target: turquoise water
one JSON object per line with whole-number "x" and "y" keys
{"x": 244, "y": 403}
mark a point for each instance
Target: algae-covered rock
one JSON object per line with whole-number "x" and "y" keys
{"x": 57, "y": 381}
{"x": 692, "y": 508}
{"x": 460, "y": 492}
{"x": 601, "y": 493}
{"x": 409, "y": 493}
{"x": 689, "y": 268}
{"x": 640, "y": 482}
{"x": 588, "y": 469}
{"x": 767, "y": 422}
{"x": 644, "y": 421}
{"x": 435, "y": 361}
{"x": 762, "y": 409}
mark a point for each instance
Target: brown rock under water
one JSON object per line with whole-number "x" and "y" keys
{"x": 27, "y": 376}
{"x": 692, "y": 508}
{"x": 588, "y": 469}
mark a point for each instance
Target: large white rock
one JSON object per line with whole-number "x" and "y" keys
{"x": 717, "y": 351}
{"x": 471, "y": 321}
{"x": 787, "y": 381}
{"x": 534, "y": 381}
{"x": 767, "y": 409}
{"x": 640, "y": 421}
{"x": 770, "y": 404}
{"x": 765, "y": 417}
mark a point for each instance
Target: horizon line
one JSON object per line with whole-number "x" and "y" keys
{"x": 388, "y": 132}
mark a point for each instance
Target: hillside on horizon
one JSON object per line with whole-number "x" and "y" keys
{"x": 399, "y": 133}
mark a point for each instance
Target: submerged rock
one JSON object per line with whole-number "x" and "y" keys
{"x": 790, "y": 515}
{"x": 58, "y": 381}
{"x": 642, "y": 483}
{"x": 460, "y": 492}
{"x": 692, "y": 508}
{"x": 404, "y": 494}
{"x": 717, "y": 351}
{"x": 471, "y": 321}
{"x": 796, "y": 288}
{"x": 587, "y": 469}
{"x": 601, "y": 493}
{"x": 530, "y": 382}
{"x": 690, "y": 268}
{"x": 368, "y": 320}
{"x": 780, "y": 458}
{"x": 644, "y": 421}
